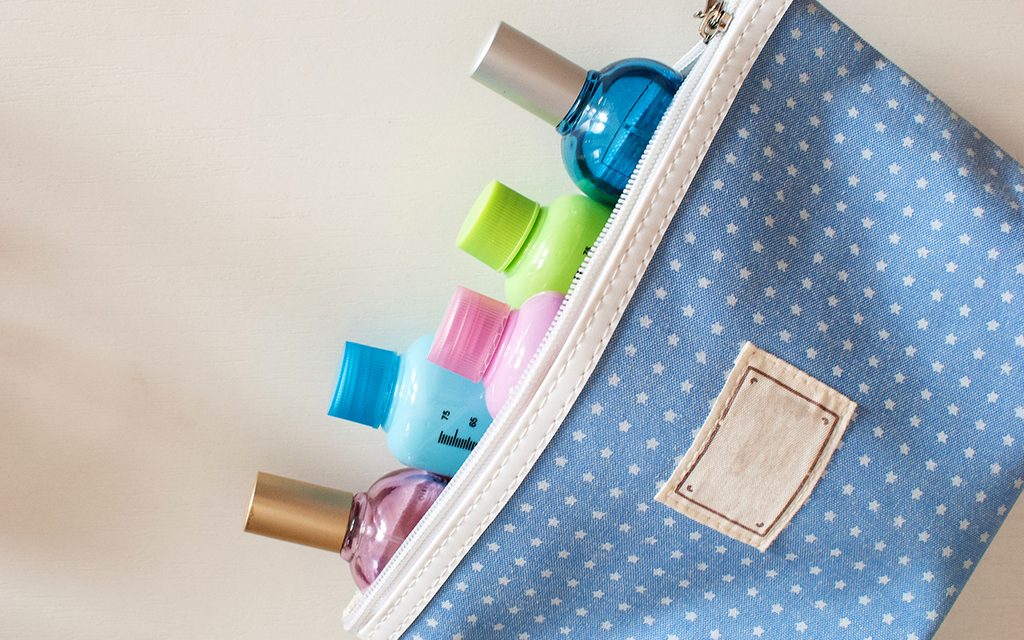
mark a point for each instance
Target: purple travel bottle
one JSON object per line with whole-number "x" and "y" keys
{"x": 366, "y": 528}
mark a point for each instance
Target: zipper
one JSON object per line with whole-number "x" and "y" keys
{"x": 714, "y": 20}
{"x": 416, "y": 546}
{"x": 365, "y": 612}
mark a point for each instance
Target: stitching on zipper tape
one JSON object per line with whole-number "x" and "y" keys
{"x": 641, "y": 268}
{"x": 762, "y": 450}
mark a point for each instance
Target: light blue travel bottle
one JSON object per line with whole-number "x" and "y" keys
{"x": 606, "y": 118}
{"x": 434, "y": 418}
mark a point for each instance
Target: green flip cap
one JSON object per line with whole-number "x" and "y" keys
{"x": 497, "y": 226}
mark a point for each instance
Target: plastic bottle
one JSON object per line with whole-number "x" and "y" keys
{"x": 365, "y": 528}
{"x": 482, "y": 338}
{"x": 606, "y": 118}
{"x": 537, "y": 248}
{"x": 433, "y": 418}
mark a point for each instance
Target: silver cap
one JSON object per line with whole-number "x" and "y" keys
{"x": 529, "y": 74}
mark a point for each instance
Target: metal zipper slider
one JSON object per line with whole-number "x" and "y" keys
{"x": 714, "y": 20}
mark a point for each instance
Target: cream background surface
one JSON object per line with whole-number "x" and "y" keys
{"x": 199, "y": 202}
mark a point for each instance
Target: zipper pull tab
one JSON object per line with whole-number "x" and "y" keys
{"x": 714, "y": 20}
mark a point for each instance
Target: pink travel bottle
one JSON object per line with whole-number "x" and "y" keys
{"x": 366, "y": 528}
{"x": 482, "y": 338}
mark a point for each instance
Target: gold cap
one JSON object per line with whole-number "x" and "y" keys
{"x": 299, "y": 512}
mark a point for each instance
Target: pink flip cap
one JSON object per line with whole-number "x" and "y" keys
{"x": 469, "y": 333}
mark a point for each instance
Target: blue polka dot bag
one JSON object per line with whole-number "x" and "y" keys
{"x": 784, "y": 398}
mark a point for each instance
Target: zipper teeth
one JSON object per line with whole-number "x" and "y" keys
{"x": 677, "y": 109}
{"x": 449, "y": 495}
{"x": 358, "y": 612}
{"x": 395, "y": 565}
{"x": 464, "y": 481}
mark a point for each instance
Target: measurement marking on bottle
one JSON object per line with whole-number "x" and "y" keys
{"x": 453, "y": 440}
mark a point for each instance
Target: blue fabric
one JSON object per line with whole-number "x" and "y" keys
{"x": 850, "y": 223}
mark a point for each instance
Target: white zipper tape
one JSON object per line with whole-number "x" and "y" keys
{"x": 521, "y": 432}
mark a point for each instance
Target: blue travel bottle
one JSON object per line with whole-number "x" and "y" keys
{"x": 606, "y": 118}
{"x": 433, "y": 417}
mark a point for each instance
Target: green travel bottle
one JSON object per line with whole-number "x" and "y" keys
{"x": 537, "y": 248}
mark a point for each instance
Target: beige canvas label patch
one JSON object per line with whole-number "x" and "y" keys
{"x": 761, "y": 451}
